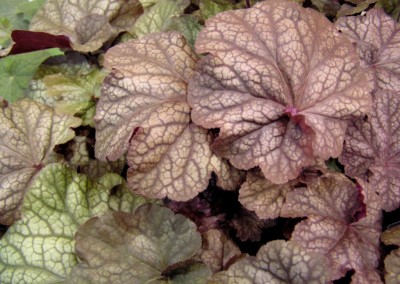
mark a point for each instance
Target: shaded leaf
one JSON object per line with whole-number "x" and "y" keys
{"x": 277, "y": 262}
{"x": 279, "y": 88}
{"x": 143, "y": 107}
{"x": 327, "y": 7}
{"x": 87, "y": 24}
{"x": 28, "y": 133}
{"x": 347, "y": 10}
{"x": 343, "y": 223}
{"x": 392, "y": 261}
{"x": 17, "y": 70}
{"x": 187, "y": 25}
{"x": 158, "y": 17}
{"x": 218, "y": 251}
{"x": 372, "y": 149}
{"x": 377, "y": 39}
{"x": 260, "y": 195}
{"x": 209, "y": 8}
{"x": 39, "y": 248}
{"x": 391, "y": 7}
{"x": 154, "y": 244}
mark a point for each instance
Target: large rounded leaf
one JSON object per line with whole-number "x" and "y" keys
{"x": 153, "y": 245}
{"x": 277, "y": 262}
{"x": 377, "y": 38}
{"x": 279, "y": 82}
{"x": 28, "y": 133}
{"x": 343, "y": 223}
{"x": 143, "y": 109}
{"x": 39, "y": 248}
{"x": 372, "y": 148}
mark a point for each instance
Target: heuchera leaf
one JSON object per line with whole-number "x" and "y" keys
{"x": 277, "y": 262}
{"x": 209, "y": 8}
{"x": 17, "y": 70}
{"x": 218, "y": 251}
{"x": 262, "y": 196}
{"x": 87, "y": 24}
{"x": 279, "y": 82}
{"x": 391, "y": 7}
{"x": 143, "y": 107}
{"x": 372, "y": 148}
{"x": 187, "y": 25}
{"x": 28, "y": 133}
{"x": 158, "y": 17}
{"x": 39, "y": 248}
{"x": 392, "y": 261}
{"x": 377, "y": 39}
{"x": 343, "y": 223}
{"x": 153, "y": 245}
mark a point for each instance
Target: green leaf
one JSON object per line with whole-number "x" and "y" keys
{"x": 209, "y": 8}
{"x": 187, "y": 25}
{"x": 158, "y": 17}
{"x": 29, "y": 131}
{"x": 39, "y": 248}
{"x": 17, "y": 70}
{"x": 29, "y": 8}
{"x": 152, "y": 246}
{"x": 391, "y": 7}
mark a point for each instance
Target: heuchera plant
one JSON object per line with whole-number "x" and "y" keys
{"x": 162, "y": 141}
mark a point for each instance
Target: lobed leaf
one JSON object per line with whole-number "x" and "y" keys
{"x": 39, "y": 248}
{"x": 372, "y": 148}
{"x": 277, "y": 262}
{"x": 377, "y": 39}
{"x": 280, "y": 83}
{"x": 88, "y": 24}
{"x": 343, "y": 223}
{"x": 28, "y": 133}
{"x": 143, "y": 109}
{"x": 153, "y": 245}
{"x": 17, "y": 70}
{"x": 260, "y": 195}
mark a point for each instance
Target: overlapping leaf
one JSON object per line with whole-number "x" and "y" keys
{"x": 158, "y": 17}
{"x": 28, "y": 133}
{"x": 343, "y": 223}
{"x": 372, "y": 148}
{"x": 143, "y": 107}
{"x": 88, "y": 24}
{"x": 280, "y": 83}
{"x": 218, "y": 251}
{"x": 39, "y": 248}
{"x": 69, "y": 84}
{"x": 262, "y": 196}
{"x": 277, "y": 262}
{"x": 17, "y": 70}
{"x": 153, "y": 245}
{"x": 392, "y": 261}
{"x": 377, "y": 38}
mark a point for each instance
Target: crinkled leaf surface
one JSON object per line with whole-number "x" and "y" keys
{"x": 17, "y": 70}
{"x": 392, "y": 261}
{"x": 372, "y": 148}
{"x": 279, "y": 82}
{"x": 158, "y": 17}
{"x": 377, "y": 39}
{"x": 28, "y": 133}
{"x": 143, "y": 107}
{"x": 153, "y": 245}
{"x": 262, "y": 196}
{"x": 88, "y": 24}
{"x": 218, "y": 251}
{"x": 277, "y": 262}
{"x": 343, "y": 223}
{"x": 39, "y": 248}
